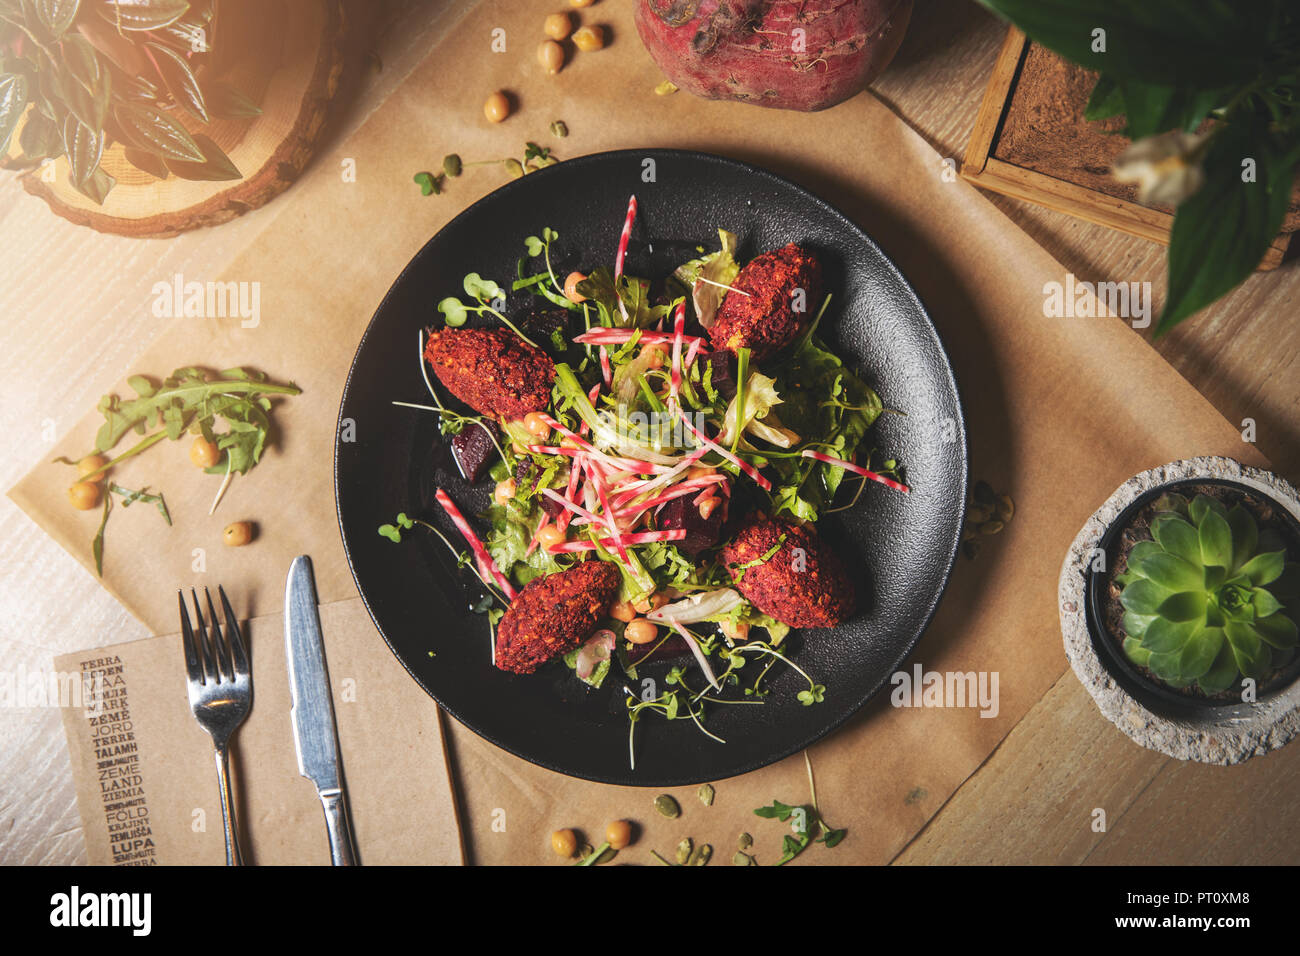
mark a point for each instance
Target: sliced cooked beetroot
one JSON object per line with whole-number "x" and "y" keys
{"x": 701, "y": 532}
{"x": 674, "y": 645}
{"x": 473, "y": 449}
{"x": 723, "y": 378}
{"x": 539, "y": 324}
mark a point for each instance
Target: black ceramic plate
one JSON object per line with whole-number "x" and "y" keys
{"x": 901, "y": 547}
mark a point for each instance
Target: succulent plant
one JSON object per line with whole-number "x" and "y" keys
{"x": 79, "y": 75}
{"x": 1211, "y": 598}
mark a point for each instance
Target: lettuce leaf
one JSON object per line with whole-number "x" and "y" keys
{"x": 719, "y": 268}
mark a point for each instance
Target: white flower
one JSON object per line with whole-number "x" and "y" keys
{"x": 1167, "y": 168}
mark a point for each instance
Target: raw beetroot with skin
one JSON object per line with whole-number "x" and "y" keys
{"x": 749, "y": 50}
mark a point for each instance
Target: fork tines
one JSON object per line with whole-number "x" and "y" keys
{"x": 220, "y": 656}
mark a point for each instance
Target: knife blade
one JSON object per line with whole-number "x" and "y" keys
{"x": 315, "y": 737}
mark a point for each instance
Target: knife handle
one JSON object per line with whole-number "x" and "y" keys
{"x": 336, "y": 822}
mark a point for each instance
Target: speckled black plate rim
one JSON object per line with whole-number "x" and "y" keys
{"x": 734, "y": 166}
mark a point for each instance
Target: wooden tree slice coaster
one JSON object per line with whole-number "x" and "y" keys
{"x": 288, "y": 56}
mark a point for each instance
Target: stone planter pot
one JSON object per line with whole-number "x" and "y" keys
{"x": 1185, "y": 724}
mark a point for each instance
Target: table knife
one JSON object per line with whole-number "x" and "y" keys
{"x": 315, "y": 736}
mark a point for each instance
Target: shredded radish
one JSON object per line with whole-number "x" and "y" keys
{"x": 480, "y": 552}
{"x": 744, "y": 466}
{"x": 623, "y": 336}
{"x": 619, "y": 463}
{"x": 857, "y": 470}
{"x": 577, "y": 509}
{"x": 639, "y": 537}
{"x": 700, "y": 659}
{"x": 606, "y": 372}
{"x": 614, "y": 529}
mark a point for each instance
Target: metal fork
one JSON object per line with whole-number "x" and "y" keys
{"x": 221, "y": 693}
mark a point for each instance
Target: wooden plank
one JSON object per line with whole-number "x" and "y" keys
{"x": 993, "y": 106}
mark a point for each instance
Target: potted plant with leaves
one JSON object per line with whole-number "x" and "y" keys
{"x": 1194, "y": 595}
{"x": 81, "y": 75}
{"x": 1210, "y": 93}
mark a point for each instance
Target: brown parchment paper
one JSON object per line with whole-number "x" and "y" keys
{"x": 1060, "y": 411}
{"x": 147, "y": 784}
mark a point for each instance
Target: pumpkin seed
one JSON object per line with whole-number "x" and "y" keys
{"x": 706, "y": 794}
{"x": 745, "y": 841}
{"x": 700, "y": 856}
{"x": 515, "y": 168}
{"x": 451, "y": 165}
{"x": 667, "y": 806}
{"x": 684, "y": 850}
{"x": 742, "y": 859}
{"x": 1006, "y": 508}
{"x": 559, "y": 129}
{"x": 979, "y": 513}
{"x": 991, "y": 527}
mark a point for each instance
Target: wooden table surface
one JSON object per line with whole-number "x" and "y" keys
{"x": 72, "y": 307}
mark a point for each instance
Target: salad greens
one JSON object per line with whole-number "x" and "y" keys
{"x": 634, "y": 402}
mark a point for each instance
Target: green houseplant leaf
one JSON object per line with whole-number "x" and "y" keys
{"x": 1223, "y": 230}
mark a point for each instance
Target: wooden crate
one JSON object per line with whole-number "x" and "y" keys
{"x": 1031, "y": 141}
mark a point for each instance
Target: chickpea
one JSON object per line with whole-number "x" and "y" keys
{"x": 655, "y": 356}
{"x": 550, "y": 536}
{"x": 580, "y": 4}
{"x": 84, "y": 495}
{"x": 551, "y": 56}
{"x": 89, "y": 465}
{"x": 589, "y": 38}
{"x": 641, "y": 631}
{"x": 204, "y": 453}
{"x": 701, "y": 471}
{"x": 623, "y": 611}
{"x": 537, "y": 424}
{"x": 504, "y": 491}
{"x": 709, "y": 505}
{"x": 564, "y": 843}
{"x": 658, "y": 600}
{"x": 497, "y": 107}
{"x": 557, "y": 26}
{"x": 618, "y": 834}
{"x": 237, "y": 534}
{"x": 571, "y": 287}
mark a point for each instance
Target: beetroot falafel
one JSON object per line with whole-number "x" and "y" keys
{"x": 786, "y": 571}
{"x": 554, "y": 614}
{"x": 492, "y": 371}
{"x": 758, "y": 312}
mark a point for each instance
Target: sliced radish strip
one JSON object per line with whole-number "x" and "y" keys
{"x": 606, "y": 372}
{"x": 480, "y": 552}
{"x": 693, "y": 351}
{"x": 743, "y": 465}
{"x": 639, "y": 537}
{"x": 693, "y": 643}
{"x": 857, "y": 470}
{"x": 679, "y": 326}
{"x": 623, "y": 238}
{"x": 532, "y": 545}
{"x": 575, "y": 472}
